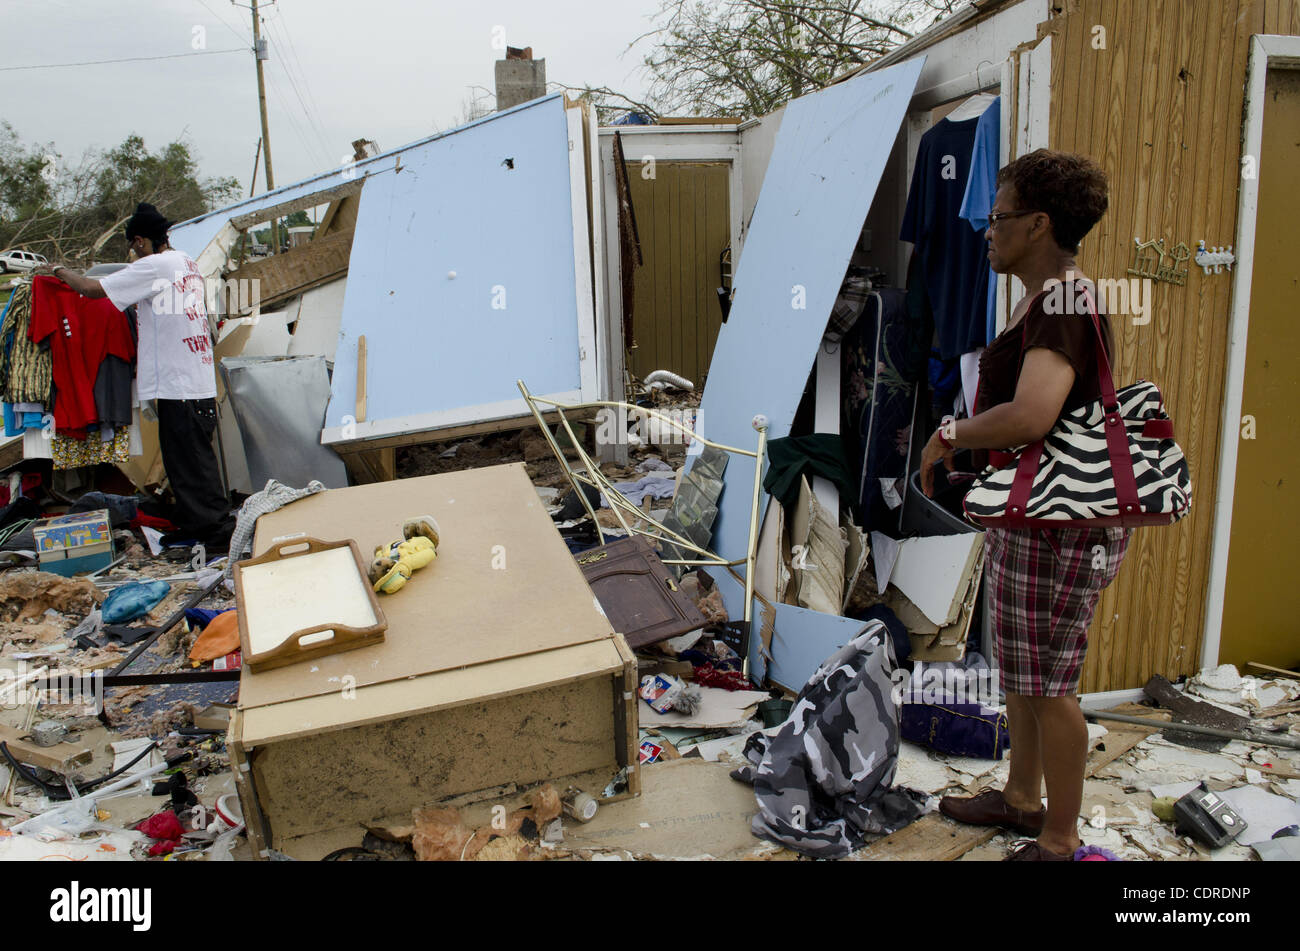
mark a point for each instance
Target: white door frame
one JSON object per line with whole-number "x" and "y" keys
{"x": 1267, "y": 51}
{"x": 704, "y": 143}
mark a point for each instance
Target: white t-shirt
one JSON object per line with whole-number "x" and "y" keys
{"x": 175, "y": 358}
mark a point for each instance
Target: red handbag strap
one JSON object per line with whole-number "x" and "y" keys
{"x": 1023, "y": 483}
{"x": 1117, "y": 448}
{"x": 1121, "y": 461}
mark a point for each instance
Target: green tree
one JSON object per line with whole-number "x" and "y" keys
{"x": 297, "y": 219}
{"x": 74, "y": 213}
{"x": 24, "y": 191}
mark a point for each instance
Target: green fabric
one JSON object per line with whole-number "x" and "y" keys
{"x": 819, "y": 454}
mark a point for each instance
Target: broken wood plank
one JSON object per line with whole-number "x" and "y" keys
{"x": 1276, "y": 671}
{"x": 1278, "y": 710}
{"x": 59, "y": 758}
{"x": 285, "y": 208}
{"x": 361, "y": 379}
{"x": 448, "y": 434}
{"x": 1120, "y": 739}
{"x": 932, "y": 838}
{"x": 294, "y": 271}
{"x": 1278, "y": 772}
{"x": 1198, "y": 712}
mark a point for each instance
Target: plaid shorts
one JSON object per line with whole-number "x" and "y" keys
{"x": 1043, "y": 586}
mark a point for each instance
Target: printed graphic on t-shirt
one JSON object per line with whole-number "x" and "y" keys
{"x": 176, "y": 361}
{"x": 185, "y": 295}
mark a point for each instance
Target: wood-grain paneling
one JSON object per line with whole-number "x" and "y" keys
{"x": 683, "y": 218}
{"x": 1160, "y": 106}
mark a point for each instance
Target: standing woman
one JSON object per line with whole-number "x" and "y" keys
{"x": 1043, "y": 584}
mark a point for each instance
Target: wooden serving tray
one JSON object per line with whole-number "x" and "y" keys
{"x": 298, "y": 590}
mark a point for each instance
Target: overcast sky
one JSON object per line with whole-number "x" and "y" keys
{"x": 388, "y": 70}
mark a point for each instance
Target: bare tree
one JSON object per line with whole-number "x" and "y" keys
{"x": 748, "y": 57}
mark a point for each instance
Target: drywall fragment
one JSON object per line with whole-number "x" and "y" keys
{"x": 934, "y": 573}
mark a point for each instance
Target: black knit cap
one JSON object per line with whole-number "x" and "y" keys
{"x": 147, "y": 222}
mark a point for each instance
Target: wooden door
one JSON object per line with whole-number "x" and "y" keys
{"x": 1261, "y": 610}
{"x": 683, "y": 217}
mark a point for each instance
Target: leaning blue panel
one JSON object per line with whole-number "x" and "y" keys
{"x": 830, "y": 152}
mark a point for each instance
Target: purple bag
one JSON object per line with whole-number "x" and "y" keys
{"x": 959, "y": 729}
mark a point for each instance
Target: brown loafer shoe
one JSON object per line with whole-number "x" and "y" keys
{"x": 1033, "y": 852}
{"x": 991, "y": 809}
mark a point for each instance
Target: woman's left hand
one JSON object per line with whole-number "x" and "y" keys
{"x": 934, "y": 451}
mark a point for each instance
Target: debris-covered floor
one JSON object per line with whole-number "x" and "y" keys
{"x": 183, "y": 806}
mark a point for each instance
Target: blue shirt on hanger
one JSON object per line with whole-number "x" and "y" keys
{"x": 981, "y": 189}
{"x": 954, "y": 265}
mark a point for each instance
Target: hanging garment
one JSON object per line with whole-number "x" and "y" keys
{"x": 981, "y": 188}
{"x": 113, "y": 391}
{"x": 70, "y": 452}
{"x": 17, "y": 420}
{"x": 820, "y": 454}
{"x": 953, "y": 257}
{"x": 25, "y": 374}
{"x": 80, "y": 332}
{"x": 883, "y": 363}
{"x": 823, "y": 781}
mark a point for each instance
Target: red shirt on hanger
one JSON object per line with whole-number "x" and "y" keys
{"x": 81, "y": 333}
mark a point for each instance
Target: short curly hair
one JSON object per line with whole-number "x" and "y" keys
{"x": 1070, "y": 189}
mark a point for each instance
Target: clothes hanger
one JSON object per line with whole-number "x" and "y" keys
{"x": 972, "y": 107}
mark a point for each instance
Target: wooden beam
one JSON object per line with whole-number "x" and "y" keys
{"x": 286, "y": 208}
{"x": 932, "y": 838}
{"x": 372, "y": 465}
{"x": 427, "y": 436}
{"x": 59, "y": 758}
{"x": 298, "y": 269}
{"x": 361, "y": 379}
{"x": 11, "y": 452}
{"x": 1275, "y": 671}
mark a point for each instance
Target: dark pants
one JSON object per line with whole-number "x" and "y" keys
{"x": 185, "y": 430}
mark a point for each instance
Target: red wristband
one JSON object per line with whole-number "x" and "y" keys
{"x": 943, "y": 439}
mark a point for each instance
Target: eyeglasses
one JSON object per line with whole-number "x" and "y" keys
{"x": 997, "y": 216}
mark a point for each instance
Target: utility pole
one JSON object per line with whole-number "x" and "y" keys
{"x": 260, "y": 54}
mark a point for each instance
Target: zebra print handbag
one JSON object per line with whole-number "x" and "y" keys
{"x": 1112, "y": 462}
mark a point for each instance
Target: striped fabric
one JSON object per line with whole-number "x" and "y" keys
{"x": 26, "y": 374}
{"x": 1043, "y": 587}
{"x": 1074, "y": 479}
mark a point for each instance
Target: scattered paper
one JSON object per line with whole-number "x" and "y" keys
{"x": 154, "y": 538}
{"x": 718, "y": 708}
{"x": 885, "y": 552}
{"x": 1263, "y": 811}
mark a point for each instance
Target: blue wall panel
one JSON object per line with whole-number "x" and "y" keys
{"x": 491, "y": 204}
{"x": 829, "y": 154}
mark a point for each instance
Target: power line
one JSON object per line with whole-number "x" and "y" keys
{"x": 224, "y": 22}
{"x": 306, "y": 122}
{"x": 293, "y": 50}
{"x": 282, "y": 102}
{"x": 311, "y": 121}
{"x": 311, "y": 106}
{"x": 129, "y": 59}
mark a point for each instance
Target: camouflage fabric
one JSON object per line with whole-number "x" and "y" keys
{"x": 823, "y": 781}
